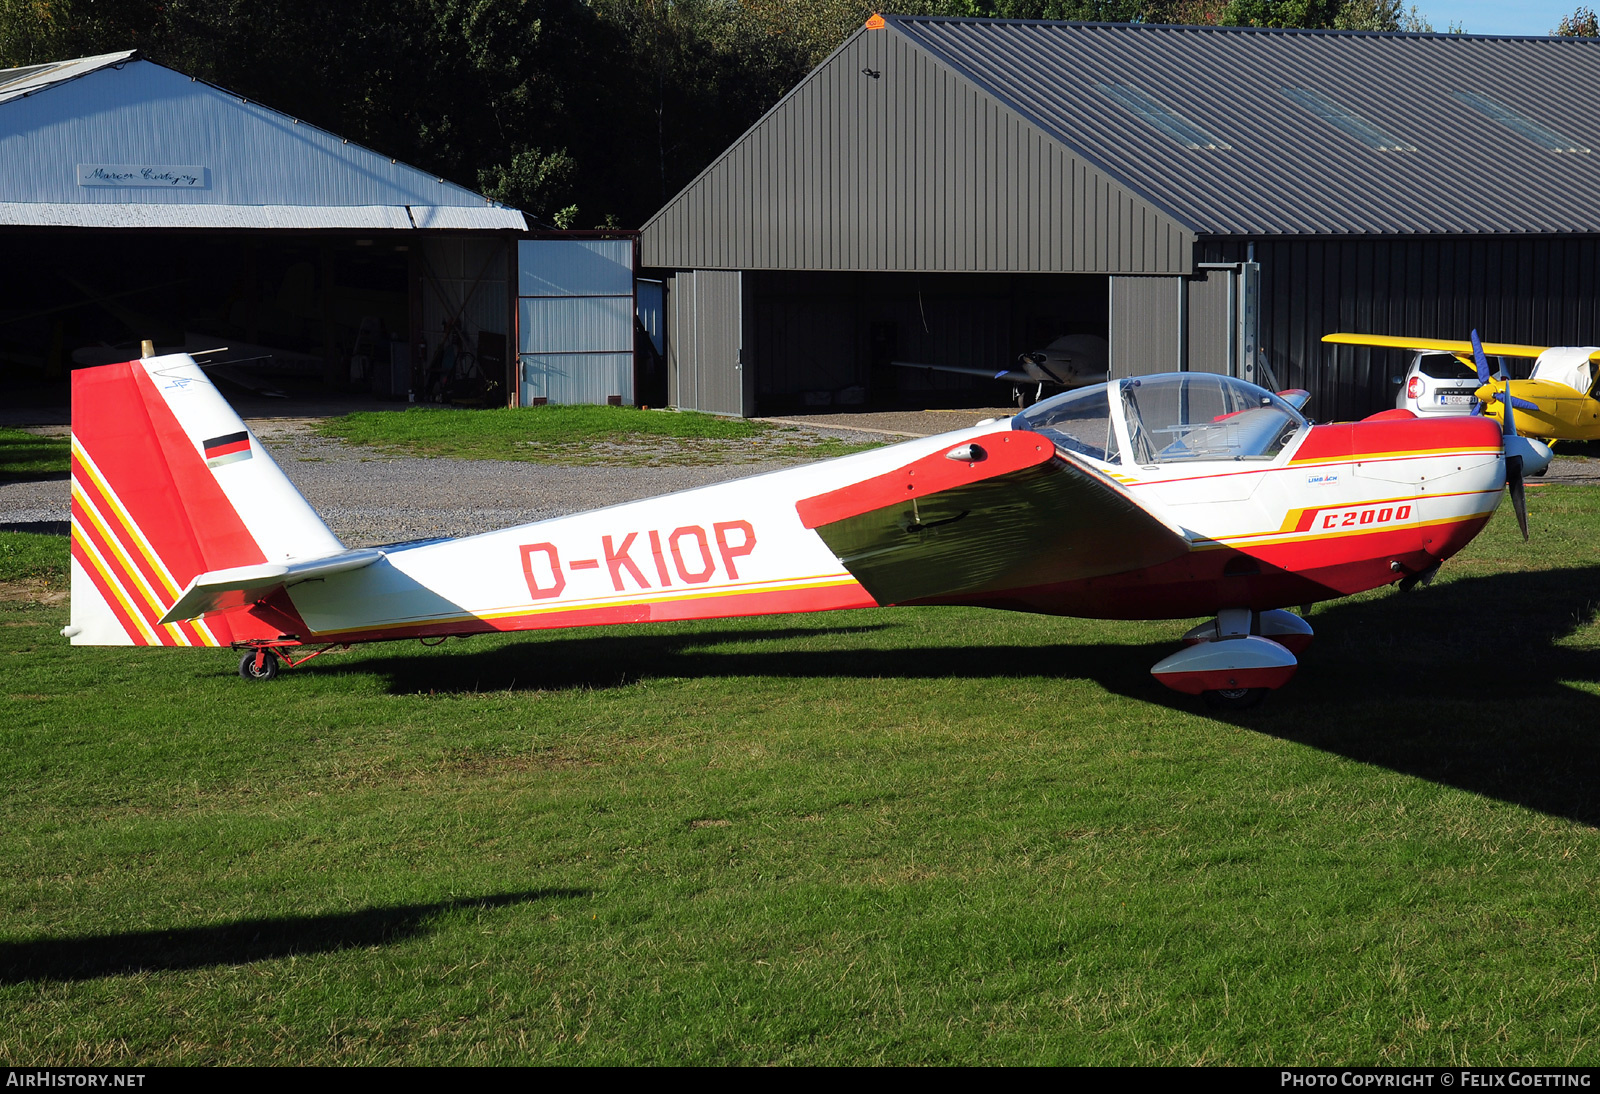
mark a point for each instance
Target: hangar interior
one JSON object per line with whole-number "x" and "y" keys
{"x": 137, "y": 203}
{"x": 76, "y": 297}
{"x": 831, "y": 339}
{"x": 338, "y": 312}
{"x": 819, "y": 338}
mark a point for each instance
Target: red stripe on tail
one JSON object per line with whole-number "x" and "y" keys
{"x": 122, "y": 422}
{"x": 162, "y": 483}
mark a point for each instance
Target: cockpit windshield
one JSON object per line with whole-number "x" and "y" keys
{"x": 1079, "y": 421}
{"x": 1200, "y": 416}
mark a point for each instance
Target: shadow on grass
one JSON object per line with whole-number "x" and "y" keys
{"x": 25, "y": 457}
{"x": 589, "y": 659}
{"x": 238, "y": 943}
{"x": 1466, "y": 683}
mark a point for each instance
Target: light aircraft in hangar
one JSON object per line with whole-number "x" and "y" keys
{"x": 1073, "y": 360}
{"x": 1560, "y": 400}
{"x": 1155, "y": 497}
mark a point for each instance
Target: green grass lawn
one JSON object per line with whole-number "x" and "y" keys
{"x": 579, "y": 435}
{"x": 929, "y": 835}
{"x": 28, "y": 556}
{"x": 24, "y": 455}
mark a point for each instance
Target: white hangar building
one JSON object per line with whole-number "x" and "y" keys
{"x": 138, "y": 202}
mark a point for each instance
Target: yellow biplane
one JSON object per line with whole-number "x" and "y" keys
{"x": 1560, "y": 400}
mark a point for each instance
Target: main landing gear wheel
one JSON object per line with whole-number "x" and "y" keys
{"x": 265, "y": 670}
{"x": 1234, "y": 698}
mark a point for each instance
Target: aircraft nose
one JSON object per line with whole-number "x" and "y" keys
{"x": 1536, "y": 455}
{"x": 1485, "y": 395}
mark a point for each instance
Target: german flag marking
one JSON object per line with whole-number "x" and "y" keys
{"x": 229, "y": 448}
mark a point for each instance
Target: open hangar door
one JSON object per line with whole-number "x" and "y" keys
{"x": 819, "y": 339}
{"x": 301, "y": 313}
{"x": 460, "y": 334}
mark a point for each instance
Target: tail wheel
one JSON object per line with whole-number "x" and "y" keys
{"x": 258, "y": 665}
{"x": 1234, "y": 698}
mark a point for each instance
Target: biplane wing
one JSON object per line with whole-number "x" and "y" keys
{"x": 1458, "y": 346}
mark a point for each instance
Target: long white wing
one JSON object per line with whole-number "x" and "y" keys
{"x": 1012, "y": 374}
{"x": 941, "y": 527}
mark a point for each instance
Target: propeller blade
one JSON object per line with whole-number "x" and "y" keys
{"x": 1519, "y": 499}
{"x": 1483, "y": 362}
{"x": 1508, "y": 419}
{"x": 1516, "y": 401}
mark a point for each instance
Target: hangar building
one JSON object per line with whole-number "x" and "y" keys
{"x": 137, "y": 202}
{"x": 958, "y": 191}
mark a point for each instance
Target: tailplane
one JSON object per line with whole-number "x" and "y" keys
{"x": 169, "y": 484}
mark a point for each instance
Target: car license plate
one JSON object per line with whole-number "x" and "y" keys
{"x": 1456, "y": 400}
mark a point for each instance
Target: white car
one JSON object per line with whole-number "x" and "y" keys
{"x": 1437, "y": 384}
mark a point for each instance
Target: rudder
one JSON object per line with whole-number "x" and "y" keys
{"x": 168, "y": 483}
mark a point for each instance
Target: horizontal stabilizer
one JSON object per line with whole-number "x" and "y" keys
{"x": 221, "y": 590}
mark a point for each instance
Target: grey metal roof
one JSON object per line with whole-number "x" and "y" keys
{"x": 1286, "y": 170}
{"x": 66, "y": 128}
{"x": 17, "y": 82}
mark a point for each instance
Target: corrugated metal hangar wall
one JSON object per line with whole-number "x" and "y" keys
{"x": 1536, "y": 291}
{"x": 959, "y": 191}
{"x": 884, "y": 159}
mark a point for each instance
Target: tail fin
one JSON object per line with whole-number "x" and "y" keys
{"x": 167, "y": 484}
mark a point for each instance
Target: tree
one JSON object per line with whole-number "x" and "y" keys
{"x": 32, "y": 32}
{"x": 1582, "y": 23}
{"x": 536, "y": 182}
{"x": 1387, "y": 15}
{"x": 1315, "y": 14}
{"x": 607, "y": 107}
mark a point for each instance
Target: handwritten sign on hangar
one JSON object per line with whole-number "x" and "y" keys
{"x": 160, "y": 176}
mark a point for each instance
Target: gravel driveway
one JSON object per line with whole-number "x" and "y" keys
{"x": 368, "y": 498}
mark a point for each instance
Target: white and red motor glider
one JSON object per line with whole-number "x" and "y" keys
{"x": 1161, "y": 497}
